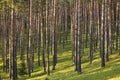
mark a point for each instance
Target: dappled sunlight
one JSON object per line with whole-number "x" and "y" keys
{"x": 65, "y": 68}
{"x": 114, "y": 56}
{"x": 116, "y": 78}
{"x": 93, "y": 70}
{"x": 69, "y": 69}
{"x": 70, "y": 51}
{"x": 1, "y": 61}
{"x": 0, "y": 58}
{"x": 115, "y": 59}
{"x": 37, "y": 78}
{"x": 36, "y": 73}
{"x": 1, "y": 64}
{"x": 4, "y": 75}
{"x": 97, "y": 75}
{"x": 117, "y": 63}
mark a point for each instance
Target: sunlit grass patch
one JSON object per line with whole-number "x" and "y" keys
{"x": 116, "y": 78}
{"x": 65, "y": 67}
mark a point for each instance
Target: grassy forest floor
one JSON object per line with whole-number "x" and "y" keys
{"x": 65, "y": 68}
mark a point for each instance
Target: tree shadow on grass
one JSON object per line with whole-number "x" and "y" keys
{"x": 95, "y": 75}
{"x": 38, "y": 74}
{"x": 106, "y": 74}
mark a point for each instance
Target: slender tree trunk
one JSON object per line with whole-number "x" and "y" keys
{"x": 106, "y": 33}
{"x": 66, "y": 20}
{"x": 22, "y": 40}
{"x": 91, "y": 32}
{"x": 47, "y": 37}
{"x": 117, "y": 23}
{"x": 76, "y": 33}
{"x": 110, "y": 26}
{"x": 79, "y": 37}
{"x": 53, "y": 35}
{"x": 12, "y": 53}
{"x": 30, "y": 38}
{"x": 102, "y": 34}
{"x": 72, "y": 30}
{"x": 4, "y": 44}
{"x": 43, "y": 45}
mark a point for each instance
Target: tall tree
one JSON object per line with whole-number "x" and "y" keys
{"x": 91, "y": 31}
{"x": 72, "y": 6}
{"x": 54, "y": 47}
{"x": 106, "y": 32}
{"x": 39, "y": 29}
{"x": 12, "y": 39}
{"x": 79, "y": 36}
{"x": 30, "y": 38}
{"x": 47, "y": 38}
{"x": 102, "y": 53}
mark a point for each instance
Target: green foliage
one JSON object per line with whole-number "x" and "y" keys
{"x": 4, "y": 6}
{"x": 22, "y": 69}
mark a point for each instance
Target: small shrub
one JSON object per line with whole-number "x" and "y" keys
{"x": 22, "y": 69}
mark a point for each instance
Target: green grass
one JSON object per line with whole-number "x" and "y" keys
{"x": 65, "y": 68}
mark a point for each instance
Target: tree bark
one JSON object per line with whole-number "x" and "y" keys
{"x": 102, "y": 34}
{"x": 12, "y": 53}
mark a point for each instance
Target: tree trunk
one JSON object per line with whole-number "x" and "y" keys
{"x": 47, "y": 37}
{"x": 12, "y": 53}
{"x": 102, "y": 34}
{"x": 91, "y": 32}
{"x": 30, "y": 38}
{"x": 53, "y": 35}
